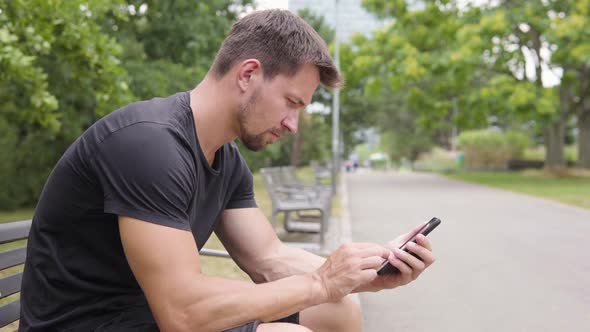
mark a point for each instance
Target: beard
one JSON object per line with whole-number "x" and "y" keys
{"x": 252, "y": 141}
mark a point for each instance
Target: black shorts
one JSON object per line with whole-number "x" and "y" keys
{"x": 251, "y": 327}
{"x": 140, "y": 319}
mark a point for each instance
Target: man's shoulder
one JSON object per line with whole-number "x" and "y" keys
{"x": 150, "y": 119}
{"x": 173, "y": 110}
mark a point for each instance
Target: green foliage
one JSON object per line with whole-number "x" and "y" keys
{"x": 153, "y": 79}
{"x": 59, "y": 72}
{"x": 489, "y": 149}
{"x": 451, "y": 64}
{"x": 437, "y": 160}
{"x": 169, "y": 45}
{"x": 383, "y": 9}
{"x": 363, "y": 151}
{"x": 517, "y": 143}
{"x": 419, "y": 75}
{"x": 538, "y": 153}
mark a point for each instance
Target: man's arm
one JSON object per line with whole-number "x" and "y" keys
{"x": 255, "y": 247}
{"x": 166, "y": 264}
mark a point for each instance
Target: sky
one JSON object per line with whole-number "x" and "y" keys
{"x": 266, "y": 4}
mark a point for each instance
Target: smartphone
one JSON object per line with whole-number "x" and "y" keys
{"x": 425, "y": 230}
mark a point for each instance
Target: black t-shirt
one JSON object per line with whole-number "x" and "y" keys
{"x": 142, "y": 161}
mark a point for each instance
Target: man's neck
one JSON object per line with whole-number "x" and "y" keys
{"x": 213, "y": 112}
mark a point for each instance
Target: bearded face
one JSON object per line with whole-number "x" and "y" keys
{"x": 272, "y": 109}
{"x": 247, "y": 116}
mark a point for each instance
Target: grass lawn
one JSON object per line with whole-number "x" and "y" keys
{"x": 572, "y": 189}
{"x": 22, "y": 214}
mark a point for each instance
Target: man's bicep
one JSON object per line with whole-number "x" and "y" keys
{"x": 163, "y": 259}
{"x": 247, "y": 235}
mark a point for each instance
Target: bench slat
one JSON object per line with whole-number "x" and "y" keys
{"x": 12, "y": 257}
{"x": 9, "y": 313}
{"x": 213, "y": 252}
{"x": 10, "y": 285}
{"x": 14, "y": 231}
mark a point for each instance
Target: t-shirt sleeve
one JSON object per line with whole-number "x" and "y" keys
{"x": 146, "y": 173}
{"x": 243, "y": 194}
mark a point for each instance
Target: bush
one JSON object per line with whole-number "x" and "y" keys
{"x": 491, "y": 150}
{"x": 437, "y": 160}
{"x": 24, "y": 166}
{"x": 538, "y": 153}
{"x": 517, "y": 144}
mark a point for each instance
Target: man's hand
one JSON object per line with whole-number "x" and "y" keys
{"x": 409, "y": 266}
{"x": 350, "y": 266}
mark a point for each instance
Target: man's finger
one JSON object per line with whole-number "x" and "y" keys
{"x": 424, "y": 242}
{"x": 403, "y": 268}
{"x": 424, "y": 254}
{"x": 372, "y": 262}
{"x": 416, "y": 264}
{"x": 375, "y": 250}
{"x": 368, "y": 276}
{"x": 408, "y": 235}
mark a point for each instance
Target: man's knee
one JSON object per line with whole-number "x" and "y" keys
{"x": 281, "y": 327}
{"x": 344, "y": 315}
{"x": 352, "y": 311}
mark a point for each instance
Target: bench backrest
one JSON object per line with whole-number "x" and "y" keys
{"x": 10, "y": 284}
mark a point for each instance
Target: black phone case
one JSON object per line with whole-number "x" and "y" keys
{"x": 429, "y": 227}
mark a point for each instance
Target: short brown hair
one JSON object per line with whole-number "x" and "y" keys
{"x": 281, "y": 41}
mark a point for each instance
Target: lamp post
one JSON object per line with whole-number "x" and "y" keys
{"x": 336, "y": 108}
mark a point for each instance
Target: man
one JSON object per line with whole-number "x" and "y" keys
{"x": 115, "y": 236}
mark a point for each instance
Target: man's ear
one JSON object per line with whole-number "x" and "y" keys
{"x": 248, "y": 71}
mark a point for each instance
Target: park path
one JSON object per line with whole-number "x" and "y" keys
{"x": 505, "y": 261}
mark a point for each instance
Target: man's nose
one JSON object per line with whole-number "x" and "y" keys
{"x": 291, "y": 121}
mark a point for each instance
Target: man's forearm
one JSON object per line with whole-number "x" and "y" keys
{"x": 226, "y": 303}
{"x": 288, "y": 261}
{"x": 284, "y": 262}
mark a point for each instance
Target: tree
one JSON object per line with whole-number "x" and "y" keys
{"x": 422, "y": 72}
{"x": 59, "y": 73}
{"x": 170, "y": 45}
{"x": 475, "y": 58}
{"x": 519, "y": 42}
{"x": 571, "y": 34}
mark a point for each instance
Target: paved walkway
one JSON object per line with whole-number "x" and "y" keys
{"x": 505, "y": 261}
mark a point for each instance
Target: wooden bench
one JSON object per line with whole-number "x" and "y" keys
{"x": 19, "y": 230}
{"x": 295, "y": 198}
{"x": 11, "y": 232}
{"x": 320, "y": 172}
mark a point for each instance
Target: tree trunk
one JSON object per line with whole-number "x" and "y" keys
{"x": 584, "y": 138}
{"x": 584, "y": 119}
{"x": 555, "y": 133}
{"x": 554, "y": 143}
